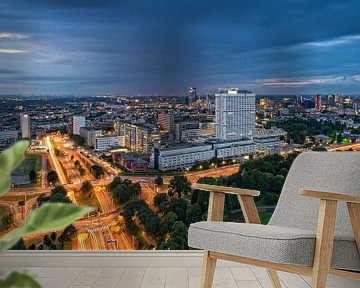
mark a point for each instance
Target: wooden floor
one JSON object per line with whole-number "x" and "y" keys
{"x": 160, "y": 277}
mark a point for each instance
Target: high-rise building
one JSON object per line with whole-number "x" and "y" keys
{"x": 136, "y": 138}
{"x": 25, "y": 125}
{"x": 299, "y": 100}
{"x": 339, "y": 100}
{"x": 317, "y": 101}
{"x": 234, "y": 114}
{"x": 78, "y": 122}
{"x": 330, "y": 101}
{"x": 192, "y": 97}
{"x": 166, "y": 122}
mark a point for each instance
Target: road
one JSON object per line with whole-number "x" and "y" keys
{"x": 105, "y": 200}
{"x": 55, "y": 162}
{"x": 355, "y": 147}
{"x": 44, "y": 171}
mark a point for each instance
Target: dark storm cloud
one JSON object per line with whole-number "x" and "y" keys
{"x": 164, "y": 46}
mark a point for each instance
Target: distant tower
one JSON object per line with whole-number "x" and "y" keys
{"x": 317, "y": 101}
{"x": 78, "y": 122}
{"x": 339, "y": 100}
{"x": 25, "y": 125}
{"x": 330, "y": 101}
{"x": 234, "y": 114}
{"x": 299, "y": 100}
{"x": 192, "y": 97}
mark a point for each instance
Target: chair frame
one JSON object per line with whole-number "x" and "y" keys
{"x": 324, "y": 236}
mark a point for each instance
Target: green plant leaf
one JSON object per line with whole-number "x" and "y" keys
{"x": 10, "y": 239}
{"x": 9, "y": 160}
{"x": 53, "y": 216}
{"x": 47, "y": 217}
{"x": 20, "y": 280}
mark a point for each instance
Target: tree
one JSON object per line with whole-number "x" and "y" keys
{"x": 32, "y": 175}
{"x": 177, "y": 239}
{"x": 67, "y": 233}
{"x": 180, "y": 185}
{"x": 20, "y": 245}
{"x": 86, "y": 187}
{"x": 167, "y": 222}
{"x": 97, "y": 171}
{"x": 31, "y": 247}
{"x": 113, "y": 184}
{"x": 57, "y": 151}
{"x": 194, "y": 213}
{"x": 159, "y": 199}
{"x": 82, "y": 171}
{"x": 178, "y": 206}
{"x": 77, "y": 164}
{"x": 122, "y": 193}
{"x": 159, "y": 181}
{"x": 53, "y": 236}
{"x": 47, "y": 241}
{"x": 52, "y": 177}
{"x": 8, "y": 220}
{"x": 40, "y": 247}
{"x": 53, "y": 247}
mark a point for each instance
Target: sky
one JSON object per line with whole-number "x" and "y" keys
{"x": 161, "y": 47}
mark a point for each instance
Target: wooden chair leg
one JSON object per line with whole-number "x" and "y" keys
{"x": 354, "y": 212}
{"x": 274, "y": 278}
{"x": 208, "y": 270}
{"x": 324, "y": 243}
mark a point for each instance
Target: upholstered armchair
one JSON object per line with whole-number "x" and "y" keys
{"x": 314, "y": 231}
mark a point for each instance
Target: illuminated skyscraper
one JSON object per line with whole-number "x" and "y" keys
{"x": 25, "y": 125}
{"x": 317, "y": 101}
{"x": 192, "y": 97}
{"x": 235, "y": 114}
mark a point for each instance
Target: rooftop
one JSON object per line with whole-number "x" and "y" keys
{"x": 143, "y": 269}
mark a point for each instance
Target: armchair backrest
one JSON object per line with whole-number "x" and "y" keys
{"x": 325, "y": 171}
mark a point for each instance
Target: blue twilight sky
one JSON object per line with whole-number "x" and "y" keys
{"x": 164, "y": 46}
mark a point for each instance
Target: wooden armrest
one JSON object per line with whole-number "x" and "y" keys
{"x": 217, "y": 199}
{"x": 227, "y": 190}
{"x": 330, "y": 196}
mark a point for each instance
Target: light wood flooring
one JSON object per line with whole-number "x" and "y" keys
{"x": 171, "y": 277}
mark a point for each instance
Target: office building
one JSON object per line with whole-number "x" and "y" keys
{"x": 104, "y": 143}
{"x": 330, "y": 101}
{"x": 339, "y": 100}
{"x": 89, "y": 135}
{"x": 25, "y": 126}
{"x": 317, "y": 102}
{"x": 185, "y": 155}
{"x": 234, "y": 114}
{"x": 192, "y": 97}
{"x": 77, "y": 123}
{"x": 166, "y": 122}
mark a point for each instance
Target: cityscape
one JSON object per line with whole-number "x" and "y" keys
{"x": 179, "y": 144}
{"x": 134, "y": 158}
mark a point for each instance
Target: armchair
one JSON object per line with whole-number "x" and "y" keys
{"x": 312, "y": 232}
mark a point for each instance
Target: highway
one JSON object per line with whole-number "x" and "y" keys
{"x": 55, "y": 162}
